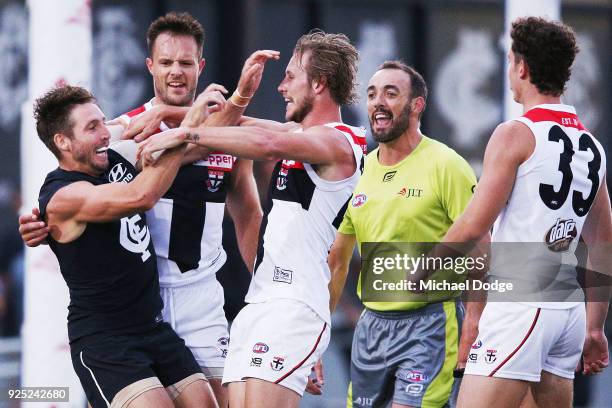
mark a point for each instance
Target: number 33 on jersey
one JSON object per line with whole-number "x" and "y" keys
{"x": 557, "y": 185}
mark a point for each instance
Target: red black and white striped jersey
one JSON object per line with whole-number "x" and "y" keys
{"x": 186, "y": 223}
{"x": 301, "y": 217}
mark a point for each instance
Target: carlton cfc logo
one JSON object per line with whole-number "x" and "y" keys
{"x": 359, "y": 200}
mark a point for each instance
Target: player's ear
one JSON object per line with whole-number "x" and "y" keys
{"x": 319, "y": 85}
{"x": 417, "y": 105}
{"x": 523, "y": 69}
{"x": 149, "y": 63}
{"x": 62, "y": 142}
{"x": 202, "y": 65}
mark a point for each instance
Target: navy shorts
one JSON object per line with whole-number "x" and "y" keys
{"x": 107, "y": 365}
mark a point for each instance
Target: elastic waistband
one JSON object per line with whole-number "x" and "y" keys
{"x": 403, "y": 314}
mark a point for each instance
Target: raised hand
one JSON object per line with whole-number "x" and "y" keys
{"x": 252, "y": 71}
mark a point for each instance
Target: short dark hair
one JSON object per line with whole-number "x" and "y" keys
{"x": 52, "y": 112}
{"x": 333, "y": 57}
{"x": 418, "y": 87}
{"x": 176, "y": 24}
{"x": 548, "y": 48}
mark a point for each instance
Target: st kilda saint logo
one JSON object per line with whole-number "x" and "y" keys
{"x": 215, "y": 180}
{"x": 559, "y": 237}
{"x": 277, "y": 363}
{"x": 283, "y": 174}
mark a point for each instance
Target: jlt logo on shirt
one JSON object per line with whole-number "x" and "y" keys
{"x": 134, "y": 237}
{"x": 410, "y": 192}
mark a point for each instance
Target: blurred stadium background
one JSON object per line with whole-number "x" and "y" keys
{"x": 456, "y": 44}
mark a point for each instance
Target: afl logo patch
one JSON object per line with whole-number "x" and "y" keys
{"x": 359, "y": 200}
{"x": 260, "y": 348}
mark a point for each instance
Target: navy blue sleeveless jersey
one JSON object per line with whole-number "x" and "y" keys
{"x": 111, "y": 268}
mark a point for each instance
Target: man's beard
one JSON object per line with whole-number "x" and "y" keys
{"x": 300, "y": 113}
{"x": 86, "y": 157}
{"x": 403, "y": 122}
{"x": 174, "y": 100}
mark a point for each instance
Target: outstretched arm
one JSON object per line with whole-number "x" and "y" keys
{"x": 317, "y": 145}
{"x": 79, "y": 203}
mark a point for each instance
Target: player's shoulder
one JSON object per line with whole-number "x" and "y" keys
{"x": 513, "y": 128}
{"x": 135, "y": 111}
{"x": 512, "y": 133}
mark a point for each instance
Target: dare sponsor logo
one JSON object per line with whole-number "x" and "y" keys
{"x": 559, "y": 237}
{"x": 256, "y": 361}
{"x": 472, "y": 358}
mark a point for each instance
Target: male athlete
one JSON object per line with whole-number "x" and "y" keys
{"x": 543, "y": 183}
{"x": 94, "y": 205}
{"x": 284, "y": 329}
{"x": 186, "y": 223}
{"x": 412, "y": 189}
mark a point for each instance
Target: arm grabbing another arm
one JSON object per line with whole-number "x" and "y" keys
{"x": 79, "y": 203}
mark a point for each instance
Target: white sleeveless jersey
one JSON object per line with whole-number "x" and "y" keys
{"x": 301, "y": 217}
{"x": 186, "y": 223}
{"x": 553, "y": 192}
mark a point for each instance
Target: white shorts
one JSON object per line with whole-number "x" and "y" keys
{"x": 277, "y": 341}
{"x": 518, "y": 341}
{"x": 195, "y": 312}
